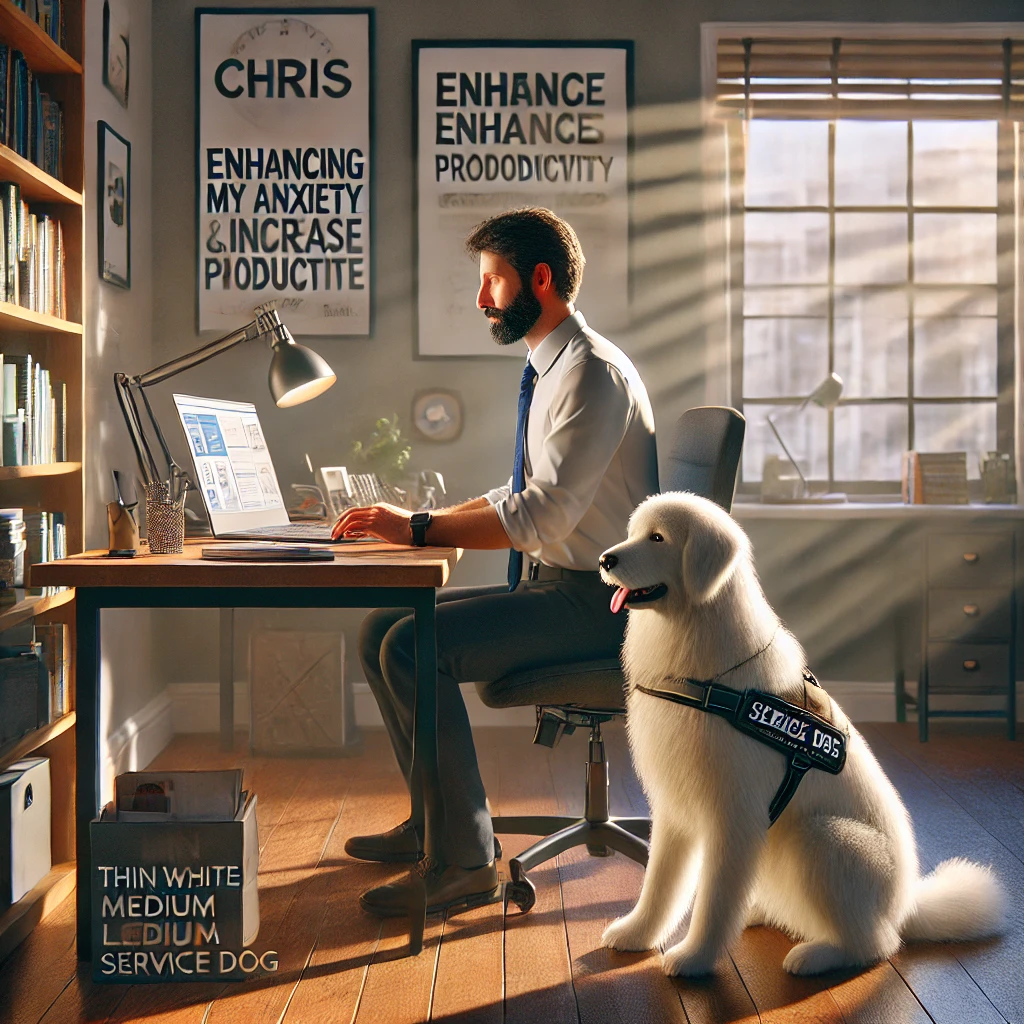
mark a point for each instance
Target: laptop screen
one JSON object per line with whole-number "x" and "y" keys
{"x": 234, "y": 472}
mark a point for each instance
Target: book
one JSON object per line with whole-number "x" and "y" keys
{"x": 267, "y": 551}
{"x": 934, "y": 478}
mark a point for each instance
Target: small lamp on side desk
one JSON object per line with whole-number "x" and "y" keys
{"x": 826, "y": 396}
{"x": 297, "y": 374}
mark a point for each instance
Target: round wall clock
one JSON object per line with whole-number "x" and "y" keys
{"x": 437, "y": 415}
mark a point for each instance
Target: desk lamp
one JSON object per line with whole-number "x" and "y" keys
{"x": 297, "y": 374}
{"x": 826, "y": 396}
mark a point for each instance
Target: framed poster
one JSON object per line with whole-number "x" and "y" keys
{"x": 501, "y": 125}
{"x": 114, "y": 208}
{"x": 284, "y": 170}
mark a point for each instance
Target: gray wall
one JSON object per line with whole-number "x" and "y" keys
{"x": 668, "y": 338}
{"x": 118, "y": 337}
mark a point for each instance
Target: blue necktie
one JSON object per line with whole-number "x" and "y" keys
{"x": 515, "y": 558}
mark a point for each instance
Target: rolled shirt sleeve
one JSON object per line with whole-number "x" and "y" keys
{"x": 497, "y": 494}
{"x": 589, "y": 415}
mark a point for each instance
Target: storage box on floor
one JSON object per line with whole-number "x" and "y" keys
{"x": 24, "y": 827}
{"x": 174, "y": 862}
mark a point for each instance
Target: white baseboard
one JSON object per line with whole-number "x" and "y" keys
{"x": 864, "y": 702}
{"x": 137, "y": 740}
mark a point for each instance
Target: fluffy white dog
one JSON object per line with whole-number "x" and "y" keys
{"x": 838, "y": 870}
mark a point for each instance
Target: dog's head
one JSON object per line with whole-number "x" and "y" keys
{"x": 681, "y": 548}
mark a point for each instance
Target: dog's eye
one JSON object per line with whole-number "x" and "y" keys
{"x": 656, "y": 537}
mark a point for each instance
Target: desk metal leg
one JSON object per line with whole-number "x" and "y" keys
{"x": 424, "y": 754}
{"x": 87, "y": 756}
{"x": 227, "y": 679}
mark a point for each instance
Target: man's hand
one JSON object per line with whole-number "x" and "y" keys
{"x": 387, "y": 522}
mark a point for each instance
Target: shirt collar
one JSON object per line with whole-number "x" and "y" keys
{"x": 543, "y": 357}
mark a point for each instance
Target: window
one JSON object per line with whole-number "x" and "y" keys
{"x": 879, "y": 246}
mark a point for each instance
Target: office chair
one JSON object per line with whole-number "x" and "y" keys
{"x": 704, "y": 460}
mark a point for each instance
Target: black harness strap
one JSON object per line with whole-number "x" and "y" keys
{"x": 803, "y": 734}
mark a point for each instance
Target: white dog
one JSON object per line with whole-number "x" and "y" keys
{"x": 838, "y": 870}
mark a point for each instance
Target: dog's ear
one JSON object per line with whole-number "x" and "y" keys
{"x": 709, "y": 558}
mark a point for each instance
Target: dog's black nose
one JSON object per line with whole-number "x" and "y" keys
{"x": 608, "y": 562}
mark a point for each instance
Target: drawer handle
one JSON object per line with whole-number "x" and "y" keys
{"x": 971, "y": 665}
{"x": 970, "y": 556}
{"x": 971, "y": 609}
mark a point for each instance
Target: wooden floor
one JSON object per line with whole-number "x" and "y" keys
{"x": 964, "y": 789}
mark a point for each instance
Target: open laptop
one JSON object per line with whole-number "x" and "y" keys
{"x": 235, "y": 475}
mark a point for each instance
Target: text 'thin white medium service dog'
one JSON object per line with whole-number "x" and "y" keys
{"x": 838, "y": 870}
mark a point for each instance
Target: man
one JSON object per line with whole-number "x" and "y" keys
{"x": 585, "y": 458}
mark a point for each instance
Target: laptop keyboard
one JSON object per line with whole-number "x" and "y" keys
{"x": 293, "y": 531}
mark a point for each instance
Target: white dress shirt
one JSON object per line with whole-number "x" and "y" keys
{"x": 590, "y": 456}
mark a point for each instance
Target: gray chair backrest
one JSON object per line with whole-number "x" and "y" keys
{"x": 705, "y": 454}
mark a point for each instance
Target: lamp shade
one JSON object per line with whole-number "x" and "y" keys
{"x": 827, "y": 393}
{"x": 297, "y": 374}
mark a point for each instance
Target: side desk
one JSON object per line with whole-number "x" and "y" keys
{"x": 361, "y": 576}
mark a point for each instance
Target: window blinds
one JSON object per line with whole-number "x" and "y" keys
{"x": 885, "y": 79}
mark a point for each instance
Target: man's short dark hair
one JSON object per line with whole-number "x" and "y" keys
{"x": 530, "y": 236}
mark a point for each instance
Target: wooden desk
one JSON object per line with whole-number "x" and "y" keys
{"x": 361, "y": 576}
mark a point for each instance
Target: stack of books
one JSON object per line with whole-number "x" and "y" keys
{"x": 33, "y": 412}
{"x": 935, "y": 478}
{"x": 47, "y": 14}
{"x": 46, "y": 539}
{"x": 32, "y": 257}
{"x": 31, "y": 121}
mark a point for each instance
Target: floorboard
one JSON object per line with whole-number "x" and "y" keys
{"x": 494, "y": 965}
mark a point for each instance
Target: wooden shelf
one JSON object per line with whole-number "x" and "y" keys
{"x": 18, "y": 318}
{"x": 42, "y": 469}
{"x": 20, "y": 32}
{"x": 35, "y": 739}
{"x": 31, "y": 606}
{"x": 36, "y": 185}
{"x": 18, "y": 920}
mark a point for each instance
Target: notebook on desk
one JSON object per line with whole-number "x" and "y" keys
{"x": 235, "y": 474}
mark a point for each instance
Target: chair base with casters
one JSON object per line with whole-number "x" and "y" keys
{"x": 601, "y": 833}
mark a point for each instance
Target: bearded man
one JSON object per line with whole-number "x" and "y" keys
{"x": 584, "y": 459}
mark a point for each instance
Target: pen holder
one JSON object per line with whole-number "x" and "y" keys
{"x": 165, "y": 522}
{"x": 122, "y": 529}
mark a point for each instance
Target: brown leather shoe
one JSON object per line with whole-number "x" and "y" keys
{"x": 447, "y": 888}
{"x": 400, "y": 845}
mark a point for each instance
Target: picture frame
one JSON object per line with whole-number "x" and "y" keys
{"x": 437, "y": 415}
{"x": 117, "y": 48}
{"x": 114, "y": 206}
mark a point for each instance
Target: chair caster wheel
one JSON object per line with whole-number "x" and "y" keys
{"x": 521, "y": 892}
{"x": 599, "y": 851}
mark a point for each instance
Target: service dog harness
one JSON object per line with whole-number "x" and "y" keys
{"x": 805, "y": 734}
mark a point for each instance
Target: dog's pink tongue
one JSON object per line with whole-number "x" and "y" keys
{"x": 619, "y": 599}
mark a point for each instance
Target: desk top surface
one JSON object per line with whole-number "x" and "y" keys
{"x": 354, "y": 565}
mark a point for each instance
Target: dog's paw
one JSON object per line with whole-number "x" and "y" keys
{"x": 814, "y": 958}
{"x": 626, "y": 934}
{"x": 681, "y": 961}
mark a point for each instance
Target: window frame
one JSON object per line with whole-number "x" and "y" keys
{"x": 1007, "y": 217}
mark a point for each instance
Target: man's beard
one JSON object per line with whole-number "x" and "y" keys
{"x": 516, "y": 320}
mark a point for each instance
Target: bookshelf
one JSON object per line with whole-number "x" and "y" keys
{"x": 58, "y": 345}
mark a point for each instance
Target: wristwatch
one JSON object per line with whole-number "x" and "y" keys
{"x": 418, "y": 524}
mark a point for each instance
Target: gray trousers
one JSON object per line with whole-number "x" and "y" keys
{"x": 483, "y": 634}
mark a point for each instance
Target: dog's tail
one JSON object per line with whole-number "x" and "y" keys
{"x": 959, "y": 900}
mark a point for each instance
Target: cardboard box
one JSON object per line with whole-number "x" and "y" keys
{"x": 24, "y": 827}
{"x": 174, "y": 897}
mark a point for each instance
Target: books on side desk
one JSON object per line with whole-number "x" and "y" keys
{"x": 935, "y": 478}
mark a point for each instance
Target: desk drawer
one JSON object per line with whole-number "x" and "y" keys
{"x": 970, "y": 559}
{"x": 968, "y": 668}
{"x": 974, "y": 614}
